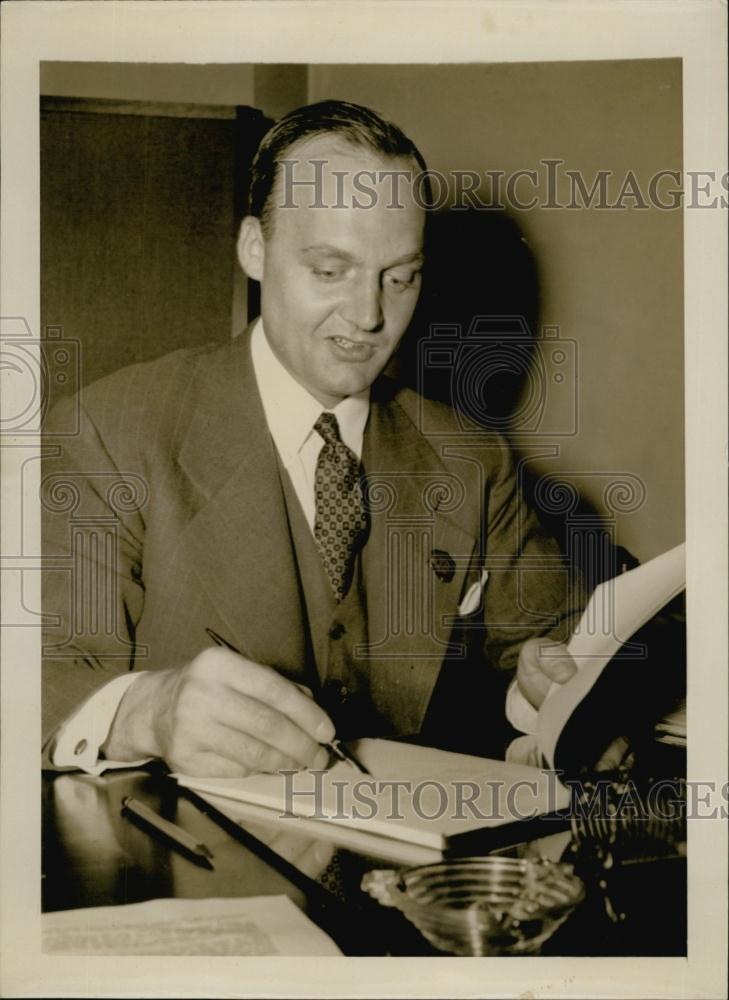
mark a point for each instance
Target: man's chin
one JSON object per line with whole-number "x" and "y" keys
{"x": 350, "y": 380}
{"x": 352, "y": 384}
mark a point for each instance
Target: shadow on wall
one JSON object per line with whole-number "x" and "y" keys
{"x": 471, "y": 344}
{"x": 480, "y": 291}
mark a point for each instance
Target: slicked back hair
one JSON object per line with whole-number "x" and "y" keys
{"x": 355, "y": 124}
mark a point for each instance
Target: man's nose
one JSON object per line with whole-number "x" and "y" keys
{"x": 364, "y": 306}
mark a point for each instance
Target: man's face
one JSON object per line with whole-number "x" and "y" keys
{"x": 338, "y": 284}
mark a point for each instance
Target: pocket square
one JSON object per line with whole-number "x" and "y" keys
{"x": 472, "y": 601}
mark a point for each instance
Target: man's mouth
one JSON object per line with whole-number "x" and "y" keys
{"x": 357, "y": 350}
{"x": 347, "y": 344}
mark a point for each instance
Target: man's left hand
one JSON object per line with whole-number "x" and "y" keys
{"x": 540, "y": 664}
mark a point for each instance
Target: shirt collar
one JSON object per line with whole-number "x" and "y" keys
{"x": 291, "y": 411}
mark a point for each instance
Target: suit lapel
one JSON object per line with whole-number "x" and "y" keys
{"x": 239, "y": 538}
{"x": 419, "y": 523}
{"x": 240, "y": 545}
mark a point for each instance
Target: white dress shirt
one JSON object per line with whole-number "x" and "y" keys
{"x": 291, "y": 412}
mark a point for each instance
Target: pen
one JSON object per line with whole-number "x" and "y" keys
{"x": 154, "y": 824}
{"x": 335, "y": 747}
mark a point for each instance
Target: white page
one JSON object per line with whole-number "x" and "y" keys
{"x": 615, "y": 611}
{"x": 259, "y": 925}
{"x": 431, "y": 807}
{"x": 259, "y": 821}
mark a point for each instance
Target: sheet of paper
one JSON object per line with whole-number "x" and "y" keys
{"x": 615, "y": 611}
{"x": 439, "y": 794}
{"x": 259, "y": 925}
{"x": 260, "y": 821}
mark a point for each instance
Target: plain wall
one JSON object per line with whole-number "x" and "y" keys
{"x": 178, "y": 83}
{"x": 611, "y": 280}
{"x": 273, "y": 89}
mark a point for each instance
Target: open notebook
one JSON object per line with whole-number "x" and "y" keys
{"x": 440, "y": 794}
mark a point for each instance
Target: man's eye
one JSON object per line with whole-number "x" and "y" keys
{"x": 399, "y": 282}
{"x": 327, "y": 273}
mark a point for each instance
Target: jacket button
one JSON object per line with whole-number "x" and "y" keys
{"x": 336, "y": 693}
{"x": 337, "y": 631}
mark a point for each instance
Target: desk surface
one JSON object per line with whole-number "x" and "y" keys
{"x": 93, "y": 856}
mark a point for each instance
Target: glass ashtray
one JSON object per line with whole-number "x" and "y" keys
{"x": 482, "y": 906}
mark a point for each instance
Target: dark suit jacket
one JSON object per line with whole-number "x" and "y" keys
{"x": 165, "y": 516}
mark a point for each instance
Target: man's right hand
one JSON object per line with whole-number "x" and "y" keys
{"x": 221, "y": 715}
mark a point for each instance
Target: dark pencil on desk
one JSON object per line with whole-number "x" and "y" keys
{"x": 335, "y": 747}
{"x": 154, "y": 824}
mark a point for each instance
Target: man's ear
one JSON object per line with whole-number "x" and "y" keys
{"x": 251, "y": 249}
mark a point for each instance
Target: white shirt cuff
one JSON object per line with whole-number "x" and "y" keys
{"x": 78, "y": 742}
{"x": 519, "y": 712}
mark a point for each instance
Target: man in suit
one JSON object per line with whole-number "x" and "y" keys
{"x": 343, "y": 534}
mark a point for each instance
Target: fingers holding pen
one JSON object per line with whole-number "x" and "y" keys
{"x": 268, "y": 738}
{"x": 267, "y": 686}
{"x": 224, "y": 711}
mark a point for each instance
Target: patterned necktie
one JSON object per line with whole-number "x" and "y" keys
{"x": 340, "y": 517}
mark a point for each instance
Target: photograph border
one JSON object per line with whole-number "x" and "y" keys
{"x": 321, "y": 32}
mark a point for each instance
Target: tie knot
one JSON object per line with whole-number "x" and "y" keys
{"x": 328, "y": 428}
